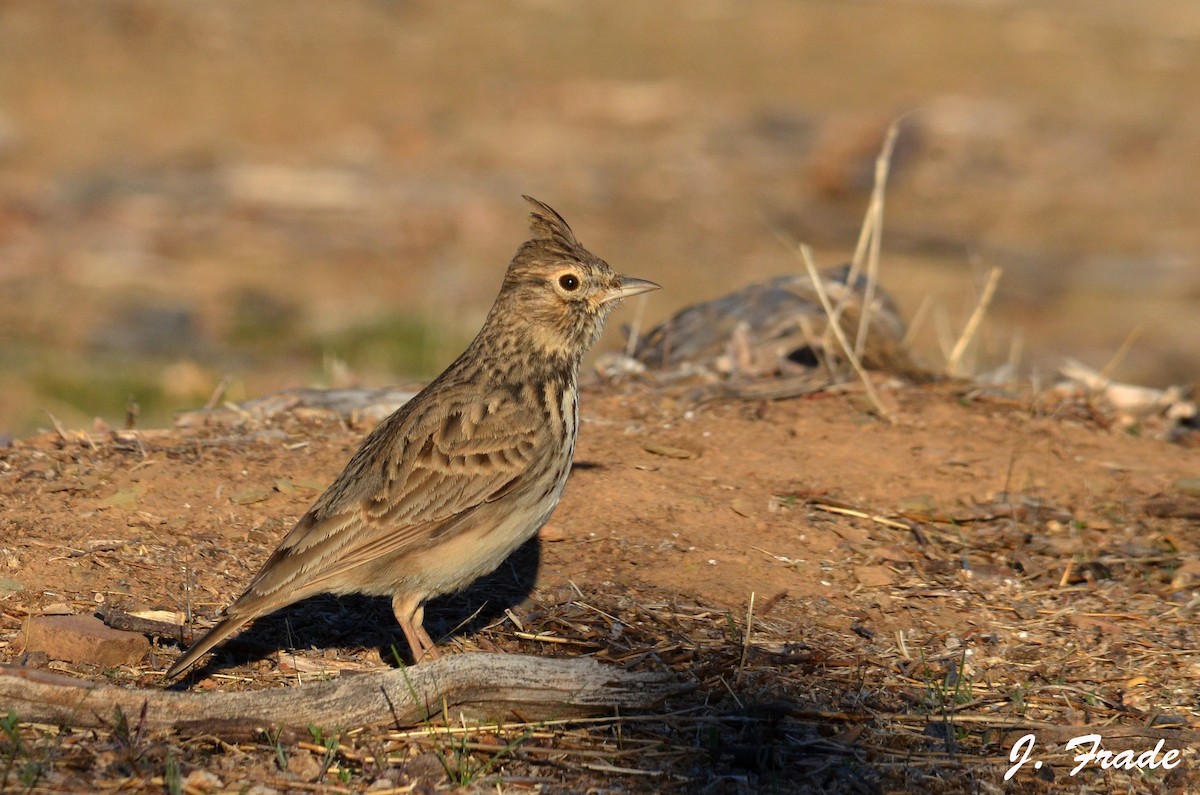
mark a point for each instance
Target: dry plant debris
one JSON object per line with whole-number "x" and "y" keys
{"x": 843, "y": 623}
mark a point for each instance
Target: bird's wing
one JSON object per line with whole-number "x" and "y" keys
{"x": 414, "y": 479}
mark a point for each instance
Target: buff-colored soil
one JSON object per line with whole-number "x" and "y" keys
{"x": 1004, "y": 567}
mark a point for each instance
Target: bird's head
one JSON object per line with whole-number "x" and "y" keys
{"x": 556, "y": 293}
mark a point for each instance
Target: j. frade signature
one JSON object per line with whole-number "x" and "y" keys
{"x": 1094, "y": 753}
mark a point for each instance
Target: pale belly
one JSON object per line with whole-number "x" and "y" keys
{"x": 458, "y": 562}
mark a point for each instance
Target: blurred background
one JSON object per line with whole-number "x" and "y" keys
{"x": 319, "y": 193}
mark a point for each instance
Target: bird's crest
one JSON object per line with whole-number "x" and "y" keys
{"x": 546, "y": 224}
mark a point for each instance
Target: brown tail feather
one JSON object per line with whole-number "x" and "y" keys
{"x": 228, "y": 625}
{"x": 249, "y": 606}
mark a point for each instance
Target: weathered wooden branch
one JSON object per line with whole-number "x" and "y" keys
{"x": 480, "y": 686}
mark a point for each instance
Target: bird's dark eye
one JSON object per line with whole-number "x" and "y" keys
{"x": 569, "y": 282}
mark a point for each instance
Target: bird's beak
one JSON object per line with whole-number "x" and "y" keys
{"x": 629, "y": 286}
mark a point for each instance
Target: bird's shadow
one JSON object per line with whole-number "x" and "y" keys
{"x": 356, "y": 621}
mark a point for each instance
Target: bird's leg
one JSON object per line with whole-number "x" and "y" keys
{"x": 418, "y": 625}
{"x": 410, "y": 612}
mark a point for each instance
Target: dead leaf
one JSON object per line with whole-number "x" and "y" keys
{"x": 286, "y": 486}
{"x": 250, "y": 495}
{"x": 669, "y": 451}
{"x": 922, "y": 505}
{"x": 125, "y": 499}
{"x": 855, "y": 535}
{"x": 893, "y": 554}
{"x": 1109, "y": 629}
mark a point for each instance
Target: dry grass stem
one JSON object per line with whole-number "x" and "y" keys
{"x": 635, "y": 327}
{"x": 872, "y": 230}
{"x": 218, "y": 394}
{"x": 941, "y": 328}
{"x": 919, "y": 319}
{"x": 846, "y": 511}
{"x": 1107, "y": 371}
{"x": 839, "y": 334}
{"x": 954, "y": 362}
{"x": 746, "y": 640}
{"x": 1015, "y": 350}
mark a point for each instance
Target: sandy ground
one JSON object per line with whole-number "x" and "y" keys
{"x": 933, "y": 587}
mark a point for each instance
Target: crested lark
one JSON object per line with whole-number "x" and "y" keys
{"x": 445, "y": 488}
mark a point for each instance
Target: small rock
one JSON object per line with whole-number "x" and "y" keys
{"x": 1167, "y": 719}
{"x": 1024, "y": 610}
{"x": 304, "y": 766}
{"x": 267, "y": 533}
{"x": 1186, "y": 576}
{"x": 874, "y": 576}
{"x": 426, "y": 767}
{"x": 550, "y": 533}
{"x": 83, "y": 639}
{"x": 1190, "y": 486}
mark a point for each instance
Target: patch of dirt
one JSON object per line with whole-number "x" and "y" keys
{"x": 877, "y": 607}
